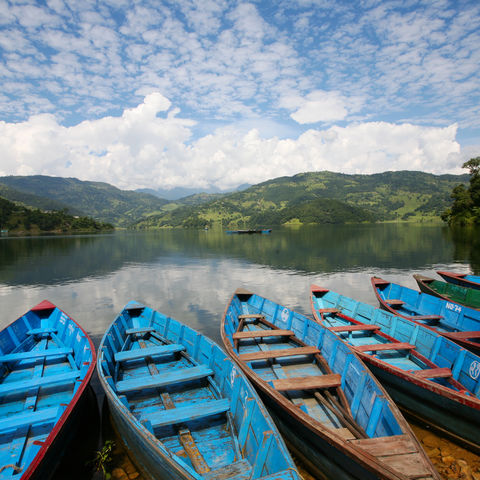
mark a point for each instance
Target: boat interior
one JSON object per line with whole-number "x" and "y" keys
{"x": 42, "y": 364}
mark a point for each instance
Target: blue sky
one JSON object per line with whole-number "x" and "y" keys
{"x": 202, "y": 93}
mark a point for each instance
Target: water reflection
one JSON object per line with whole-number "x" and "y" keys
{"x": 319, "y": 249}
{"x": 190, "y": 275}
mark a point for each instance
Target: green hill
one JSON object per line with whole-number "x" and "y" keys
{"x": 321, "y": 197}
{"x": 19, "y": 219}
{"x": 96, "y": 199}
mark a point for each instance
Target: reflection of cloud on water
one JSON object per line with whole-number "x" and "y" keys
{"x": 194, "y": 291}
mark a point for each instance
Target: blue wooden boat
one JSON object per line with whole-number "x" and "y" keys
{"x": 331, "y": 410}
{"x": 456, "y": 322}
{"x": 181, "y": 406}
{"x": 46, "y": 363}
{"x": 429, "y": 376}
{"x": 462, "y": 279}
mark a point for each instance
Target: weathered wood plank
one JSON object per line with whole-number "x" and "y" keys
{"x": 161, "y": 380}
{"x": 433, "y": 373}
{"x": 25, "y": 385}
{"x": 354, "y": 328}
{"x": 134, "y": 331}
{"x": 46, "y": 415}
{"x": 250, "y": 315}
{"x": 308, "y": 383}
{"x": 262, "y": 333}
{"x": 463, "y": 335}
{"x": 394, "y": 302}
{"x": 385, "y": 446}
{"x": 329, "y": 310}
{"x": 285, "y": 352}
{"x": 10, "y": 357}
{"x": 146, "y": 352}
{"x": 191, "y": 412}
{"x": 375, "y": 347}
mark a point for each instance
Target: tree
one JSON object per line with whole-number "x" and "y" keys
{"x": 466, "y": 201}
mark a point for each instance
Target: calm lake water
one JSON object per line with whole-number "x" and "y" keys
{"x": 190, "y": 275}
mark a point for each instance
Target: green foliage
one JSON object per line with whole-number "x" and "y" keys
{"x": 319, "y": 197}
{"x": 95, "y": 199}
{"x": 19, "y": 219}
{"x": 465, "y": 209}
{"x": 103, "y": 458}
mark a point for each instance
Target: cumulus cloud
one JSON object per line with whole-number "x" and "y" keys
{"x": 151, "y": 146}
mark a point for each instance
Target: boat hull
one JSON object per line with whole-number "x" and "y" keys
{"x": 181, "y": 407}
{"x": 449, "y": 417}
{"x": 328, "y": 452}
{"x": 321, "y": 457}
{"x": 447, "y": 400}
{"x": 471, "y": 281}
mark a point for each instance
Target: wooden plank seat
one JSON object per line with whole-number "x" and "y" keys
{"x": 375, "y": 347}
{"x": 394, "y": 302}
{"x": 463, "y": 335}
{"x": 308, "y": 383}
{"x": 433, "y": 373}
{"x": 427, "y": 317}
{"x": 135, "y": 331}
{"x": 42, "y": 331}
{"x": 148, "y": 352}
{"x": 239, "y": 469}
{"x": 24, "y": 419}
{"x": 10, "y": 357}
{"x": 354, "y": 328}
{"x": 25, "y": 385}
{"x": 163, "y": 379}
{"x": 250, "y": 315}
{"x": 329, "y": 310}
{"x": 262, "y": 333}
{"x": 188, "y": 413}
{"x": 285, "y": 352}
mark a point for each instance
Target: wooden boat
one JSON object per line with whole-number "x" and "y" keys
{"x": 456, "y": 322}
{"x": 46, "y": 362}
{"x": 469, "y": 297}
{"x": 462, "y": 279}
{"x": 331, "y": 410}
{"x": 181, "y": 406}
{"x": 429, "y": 376}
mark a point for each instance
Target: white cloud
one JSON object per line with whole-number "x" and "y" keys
{"x": 318, "y": 106}
{"x": 150, "y": 146}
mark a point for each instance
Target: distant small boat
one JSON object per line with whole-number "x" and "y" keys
{"x": 462, "y": 279}
{"x": 264, "y": 231}
{"x": 182, "y": 407}
{"x": 456, "y": 322}
{"x": 431, "y": 377}
{"x": 46, "y": 362}
{"x": 333, "y": 413}
{"x": 469, "y": 297}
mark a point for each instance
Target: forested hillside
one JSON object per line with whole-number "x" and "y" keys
{"x": 321, "y": 197}
{"x": 95, "y": 199}
{"x": 18, "y": 219}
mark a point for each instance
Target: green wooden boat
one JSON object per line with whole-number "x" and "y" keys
{"x": 449, "y": 291}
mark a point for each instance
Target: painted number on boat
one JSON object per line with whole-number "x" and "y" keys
{"x": 474, "y": 369}
{"x": 285, "y": 315}
{"x": 454, "y": 307}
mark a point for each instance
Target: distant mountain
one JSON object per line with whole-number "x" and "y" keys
{"x": 178, "y": 193}
{"x": 96, "y": 199}
{"x": 29, "y": 199}
{"x": 388, "y": 196}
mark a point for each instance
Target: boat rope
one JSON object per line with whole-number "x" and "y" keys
{"x": 11, "y": 465}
